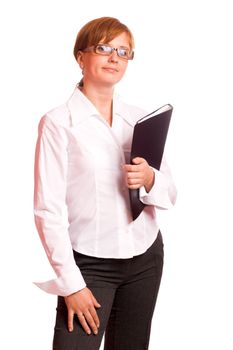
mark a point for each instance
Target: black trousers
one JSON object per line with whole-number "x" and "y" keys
{"x": 127, "y": 290}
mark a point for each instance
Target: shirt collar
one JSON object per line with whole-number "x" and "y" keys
{"x": 123, "y": 110}
{"x": 82, "y": 108}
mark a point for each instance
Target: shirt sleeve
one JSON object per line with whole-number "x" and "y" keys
{"x": 163, "y": 193}
{"x": 50, "y": 208}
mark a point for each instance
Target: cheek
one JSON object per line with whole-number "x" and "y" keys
{"x": 92, "y": 63}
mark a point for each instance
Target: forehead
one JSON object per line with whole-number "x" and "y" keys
{"x": 120, "y": 40}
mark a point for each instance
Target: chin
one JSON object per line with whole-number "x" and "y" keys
{"x": 110, "y": 82}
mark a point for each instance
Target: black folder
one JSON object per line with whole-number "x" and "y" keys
{"x": 149, "y": 138}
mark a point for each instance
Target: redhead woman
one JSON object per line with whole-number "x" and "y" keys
{"x": 108, "y": 266}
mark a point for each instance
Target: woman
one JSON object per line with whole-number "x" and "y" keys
{"x": 108, "y": 266}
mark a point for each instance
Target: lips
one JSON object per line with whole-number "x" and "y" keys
{"x": 110, "y": 69}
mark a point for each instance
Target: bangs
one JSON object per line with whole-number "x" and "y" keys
{"x": 106, "y": 33}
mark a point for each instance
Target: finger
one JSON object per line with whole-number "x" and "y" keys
{"x": 91, "y": 322}
{"x": 134, "y": 187}
{"x": 95, "y": 317}
{"x": 135, "y": 175}
{"x": 83, "y": 323}
{"x": 131, "y": 168}
{"x": 135, "y": 181}
{"x": 70, "y": 320}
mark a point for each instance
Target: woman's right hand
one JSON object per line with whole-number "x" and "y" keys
{"x": 83, "y": 304}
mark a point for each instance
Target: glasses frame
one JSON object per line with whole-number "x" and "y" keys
{"x": 94, "y": 49}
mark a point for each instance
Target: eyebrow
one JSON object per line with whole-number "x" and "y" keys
{"x": 107, "y": 43}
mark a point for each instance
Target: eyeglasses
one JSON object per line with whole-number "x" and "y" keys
{"x": 106, "y": 50}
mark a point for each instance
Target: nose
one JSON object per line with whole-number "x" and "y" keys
{"x": 113, "y": 57}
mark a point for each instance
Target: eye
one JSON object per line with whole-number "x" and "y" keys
{"x": 102, "y": 49}
{"x": 123, "y": 52}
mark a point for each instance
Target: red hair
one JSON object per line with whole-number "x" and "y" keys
{"x": 103, "y": 29}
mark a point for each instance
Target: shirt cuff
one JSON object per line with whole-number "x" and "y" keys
{"x": 159, "y": 195}
{"x": 65, "y": 285}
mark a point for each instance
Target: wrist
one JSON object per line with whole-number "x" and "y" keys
{"x": 149, "y": 184}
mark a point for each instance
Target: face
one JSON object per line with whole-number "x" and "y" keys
{"x": 104, "y": 70}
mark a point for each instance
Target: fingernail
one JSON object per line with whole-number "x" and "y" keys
{"x": 95, "y": 332}
{"x": 89, "y": 332}
{"x": 70, "y": 329}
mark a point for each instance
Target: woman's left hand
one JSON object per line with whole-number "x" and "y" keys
{"x": 139, "y": 174}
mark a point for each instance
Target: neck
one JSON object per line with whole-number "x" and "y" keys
{"x": 101, "y": 99}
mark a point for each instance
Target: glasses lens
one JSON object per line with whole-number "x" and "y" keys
{"x": 122, "y": 52}
{"x": 106, "y": 50}
{"x": 103, "y": 49}
{"x": 125, "y": 53}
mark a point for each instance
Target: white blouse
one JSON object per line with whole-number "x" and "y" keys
{"x": 81, "y": 201}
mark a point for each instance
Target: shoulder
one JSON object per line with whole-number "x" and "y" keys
{"x": 56, "y": 118}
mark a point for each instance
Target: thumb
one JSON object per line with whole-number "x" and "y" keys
{"x": 95, "y": 302}
{"x": 138, "y": 160}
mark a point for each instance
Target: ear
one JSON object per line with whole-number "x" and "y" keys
{"x": 79, "y": 59}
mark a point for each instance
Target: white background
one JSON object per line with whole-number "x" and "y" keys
{"x": 183, "y": 57}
